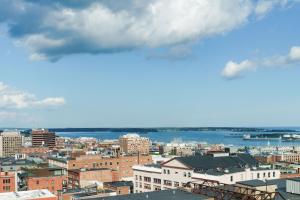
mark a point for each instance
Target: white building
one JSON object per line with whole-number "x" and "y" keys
{"x": 179, "y": 171}
{"x": 28, "y": 195}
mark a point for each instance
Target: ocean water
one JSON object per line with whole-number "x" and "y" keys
{"x": 210, "y": 137}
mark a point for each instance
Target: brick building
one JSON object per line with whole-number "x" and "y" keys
{"x": 79, "y": 178}
{"x": 34, "y": 150}
{"x": 7, "y": 181}
{"x": 52, "y": 179}
{"x": 121, "y": 187}
{"x": 287, "y": 157}
{"x": 123, "y": 164}
{"x": 134, "y": 144}
{"x": 43, "y": 137}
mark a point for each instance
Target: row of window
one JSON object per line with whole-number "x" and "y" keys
{"x": 158, "y": 181}
{"x": 6, "y": 180}
{"x": 167, "y": 171}
{"x": 6, "y": 188}
{"x": 258, "y": 176}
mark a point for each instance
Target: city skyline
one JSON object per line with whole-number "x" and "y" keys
{"x": 149, "y": 64}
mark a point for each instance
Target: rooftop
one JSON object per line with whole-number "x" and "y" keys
{"x": 163, "y": 194}
{"x": 206, "y": 162}
{"x": 26, "y": 195}
{"x": 256, "y": 183}
{"x": 120, "y": 183}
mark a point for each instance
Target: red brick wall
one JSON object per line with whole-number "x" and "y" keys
{"x": 123, "y": 163}
{"x": 51, "y": 183}
{"x": 7, "y": 182}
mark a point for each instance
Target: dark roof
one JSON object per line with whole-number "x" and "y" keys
{"x": 284, "y": 195}
{"x": 206, "y": 162}
{"x": 157, "y": 195}
{"x": 295, "y": 179}
{"x": 120, "y": 183}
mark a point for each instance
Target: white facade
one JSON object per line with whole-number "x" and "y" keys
{"x": 293, "y": 186}
{"x": 175, "y": 174}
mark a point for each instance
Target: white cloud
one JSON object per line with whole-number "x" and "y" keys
{"x": 294, "y": 54}
{"x": 8, "y": 115}
{"x": 105, "y": 27}
{"x": 13, "y": 98}
{"x": 233, "y": 70}
{"x": 53, "y": 29}
{"x": 265, "y": 6}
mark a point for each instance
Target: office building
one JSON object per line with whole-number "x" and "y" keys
{"x": 134, "y": 144}
{"x": 43, "y": 138}
{"x": 10, "y": 143}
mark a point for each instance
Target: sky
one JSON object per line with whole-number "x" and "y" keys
{"x": 154, "y": 63}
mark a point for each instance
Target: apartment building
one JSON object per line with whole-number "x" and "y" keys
{"x": 52, "y": 179}
{"x": 283, "y": 157}
{"x": 43, "y": 137}
{"x": 123, "y": 164}
{"x": 179, "y": 171}
{"x": 10, "y": 143}
{"x": 8, "y": 181}
{"x": 134, "y": 144}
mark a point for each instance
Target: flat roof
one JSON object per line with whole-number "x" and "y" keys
{"x": 174, "y": 194}
{"x": 120, "y": 183}
{"x": 26, "y": 195}
{"x": 256, "y": 183}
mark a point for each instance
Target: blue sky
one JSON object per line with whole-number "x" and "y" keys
{"x": 232, "y": 72}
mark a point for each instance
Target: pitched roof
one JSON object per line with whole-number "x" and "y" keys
{"x": 206, "y": 162}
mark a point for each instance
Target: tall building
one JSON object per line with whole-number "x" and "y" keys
{"x": 10, "y": 143}
{"x": 43, "y": 137}
{"x": 134, "y": 144}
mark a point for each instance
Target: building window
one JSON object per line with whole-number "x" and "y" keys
{"x": 231, "y": 178}
{"x": 168, "y": 171}
{"x": 110, "y": 163}
{"x": 37, "y": 182}
{"x": 274, "y": 174}
{"x": 136, "y": 177}
{"x": 264, "y": 175}
{"x": 140, "y": 178}
{"x": 167, "y": 182}
{"x": 184, "y": 174}
{"x": 147, "y": 186}
{"x": 176, "y": 184}
{"x": 157, "y": 181}
{"x": 147, "y": 179}
{"x": 269, "y": 174}
{"x": 189, "y": 174}
{"x": 258, "y": 175}
{"x": 157, "y": 188}
{"x": 164, "y": 171}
